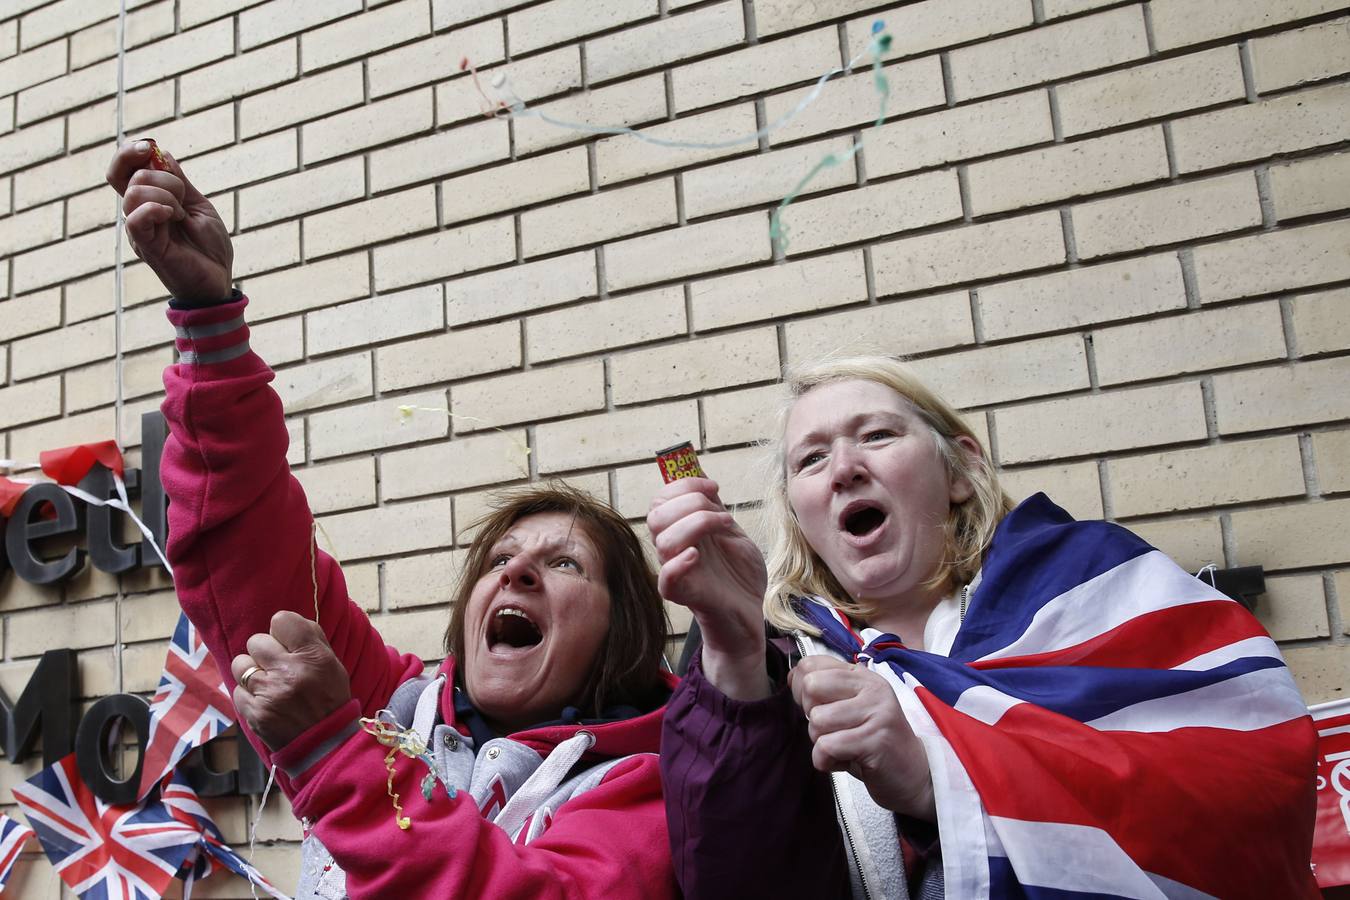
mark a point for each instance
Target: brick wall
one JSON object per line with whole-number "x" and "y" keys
{"x": 1113, "y": 231}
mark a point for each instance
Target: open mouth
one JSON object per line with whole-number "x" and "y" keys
{"x": 862, "y": 519}
{"x": 512, "y": 629}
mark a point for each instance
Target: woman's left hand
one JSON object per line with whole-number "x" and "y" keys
{"x": 294, "y": 680}
{"x": 856, "y": 726}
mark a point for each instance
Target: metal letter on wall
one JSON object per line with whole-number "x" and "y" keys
{"x": 47, "y": 701}
{"x": 92, "y": 738}
{"x": 23, "y": 530}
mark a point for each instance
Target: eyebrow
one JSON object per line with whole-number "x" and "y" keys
{"x": 818, "y": 435}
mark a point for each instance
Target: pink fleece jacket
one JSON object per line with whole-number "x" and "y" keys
{"x": 240, "y": 544}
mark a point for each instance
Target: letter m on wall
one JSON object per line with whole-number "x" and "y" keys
{"x": 47, "y": 706}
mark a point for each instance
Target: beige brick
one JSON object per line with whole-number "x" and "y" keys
{"x": 1048, "y": 53}
{"x": 1194, "y": 342}
{"x": 434, "y": 58}
{"x": 740, "y": 476}
{"x": 7, "y": 114}
{"x": 33, "y": 67}
{"x": 1294, "y": 607}
{"x": 990, "y": 126}
{"x": 424, "y": 580}
{"x": 358, "y": 224}
{"x": 1321, "y": 672}
{"x": 445, "y": 253}
{"x": 620, "y": 158}
{"x": 363, "y": 34}
{"x": 532, "y": 80}
{"x": 375, "y": 123}
{"x": 1215, "y": 475}
{"x": 514, "y": 184}
{"x": 740, "y": 417}
{"x": 909, "y": 326}
{"x": 1293, "y": 536}
{"x": 1180, "y": 22}
{"x": 1098, "y": 423}
{"x": 30, "y": 314}
{"x": 465, "y": 147}
{"x": 30, "y": 401}
{"x": 968, "y": 253}
{"x": 528, "y": 396}
{"x": 281, "y": 198}
{"x": 614, "y": 437}
{"x": 451, "y": 12}
{"x": 1280, "y": 396}
{"x": 1008, "y": 372}
{"x": 297, "y": 101}
{"x": 96, "y": 384}
{"x": 184, "y": 51}
{"x": 280, "y": 341}
{"x": 852, "y": 100}
{"x": 523, "y": 288}
{"x": 372, "y": 426}
{"x": 78, "y": 626}
{"x": 1341, "y": 585}
{"x": 307, "y": 287}
{"x": 598, "y": 217}
{"x": 33, "y": 144}
{"x": 29, "y": 229}
{"x": 665, "y": 41}
{"x": 1082, "y": 296}
{"x": 145, "y": 326}
{"x": 564, "y": 20}
{"x": 205, "y": 10}
{"x": 1075, "y": 487}
{"x": 773, "y": 16}
{"x": 245, "y": 163}
{"x": 265, "y": 249}
{"x": 58, "y": 94}
{"x": 140, "y": 108}
{"x": 1332, "y": 451}
{"x": 89, "y": 210}
{"x": 380, "y": 318}
{"x": 297, "y": 446}
{"x": 677, "y": 252}
{"x": 59, "y": 19}
{"x": 239, "y": 75}
{"x": 617, "y": 322}
{"x": 99, "y": 42}
{"x": 870, "y": 211}
{"x": 934, "y": 24}
{"x": 695, "y": 366}
{"x": 1151, "y": 90}
{"x": 324, "y": 383}
{"x": 1286, "y": 123}
{"x": 1192, "y": 543}
{"x": 1307, "y": 54}
{"x": 1055, "y": 9}
{"x": 387, "y": 530}
{"x": 1274, "y": 261}
{"x": 1310, "y": 186}
{"x": 1167, "y": 215}
{"x": 1067, "y": 170}
{"x": 419, "y": 632}
{"x": 772, "y": 291}
{"x": 9, "y": 38}
{"x": 66, "y": 348}
{"x": 471, "y": 508}
{"x": 445, "y": 357}
{"x": 752, "y": 70}
{"x": 285, "y": 17}
{"x": 767, "y": 177}
{"x": 341, "y": 485}
{"x": 465, "y": 462}
{"x": 630, "y": 103}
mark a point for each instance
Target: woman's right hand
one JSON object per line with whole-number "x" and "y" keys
{"x": 172, "y": 226}
{"x": 710, "y": 565}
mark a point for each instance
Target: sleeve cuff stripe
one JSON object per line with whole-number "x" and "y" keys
{"x": 295, "y": 770}
{"x": 210, "y": 329}
{"x": 194, "y": 358}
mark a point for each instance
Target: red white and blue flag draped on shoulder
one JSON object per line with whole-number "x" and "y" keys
{"x": 1105, "y": 726}
{"x": 13, "y": 835}
{"x": 190, "y": 707}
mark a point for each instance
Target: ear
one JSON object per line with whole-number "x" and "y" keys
{"x": 961, "y": 487}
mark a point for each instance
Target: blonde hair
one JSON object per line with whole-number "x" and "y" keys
{"x": 795, "y": 569}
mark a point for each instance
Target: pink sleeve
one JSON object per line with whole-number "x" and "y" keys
{"x": 239, "y": 524}
{"x": 610, "y": 842}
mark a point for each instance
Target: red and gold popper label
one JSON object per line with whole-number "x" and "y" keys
{"x": 679, "y": 461}
{"x": 157, "y": 159}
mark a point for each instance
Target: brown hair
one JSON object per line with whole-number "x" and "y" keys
{"x": 627, "y": 668}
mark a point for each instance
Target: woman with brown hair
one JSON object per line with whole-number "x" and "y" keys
{"x": 526, "y": 765}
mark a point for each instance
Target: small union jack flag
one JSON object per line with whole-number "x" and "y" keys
{"x": 213, "y": 854}
{"x": 190, "y": 707}
{"x": 104, "y": 852}
{"x": 13, "y": 836}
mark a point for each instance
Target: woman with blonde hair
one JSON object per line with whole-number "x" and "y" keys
{"x": 992, "y": 701}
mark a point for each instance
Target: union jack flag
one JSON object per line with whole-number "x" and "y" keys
{"x": 1105, "y": 726}
{"x": 190, "y": 706}
{"x": 13, "y": 836}
{"x": 104, "y": 852}
{"x": 213, "y": 854}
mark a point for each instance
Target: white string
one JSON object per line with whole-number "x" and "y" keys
{"x": 1209, "y": 568}
{"x": 117, "y": 315}
{"x": 253, "y": 831}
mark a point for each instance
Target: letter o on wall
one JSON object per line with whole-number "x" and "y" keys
{"x": 92, "y": 738}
